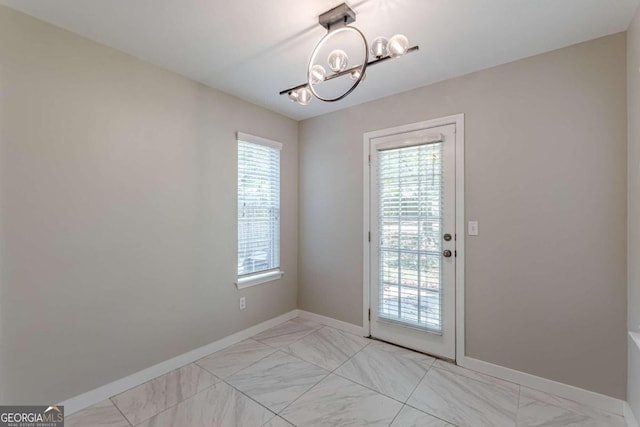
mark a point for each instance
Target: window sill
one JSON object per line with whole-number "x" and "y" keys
{"x": 258, "y": 279}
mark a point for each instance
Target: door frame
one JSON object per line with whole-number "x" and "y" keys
{"x": 458, "y": 121}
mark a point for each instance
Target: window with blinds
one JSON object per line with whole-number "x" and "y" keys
{"x": 258, "y": 205}
{"x": 410, "y": 229}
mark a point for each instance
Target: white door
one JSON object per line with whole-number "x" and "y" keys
{"x": 413, "y": 247}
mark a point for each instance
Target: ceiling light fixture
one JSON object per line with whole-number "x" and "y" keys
{"x": 339, "y": 44}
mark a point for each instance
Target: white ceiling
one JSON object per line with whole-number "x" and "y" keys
{"x": 253, "y": 49}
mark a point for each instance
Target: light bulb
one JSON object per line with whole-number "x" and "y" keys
{"x": 398, "y": 45}
{"x": 293, "y": 95}
{"x": 338, "y": 60}
{"x": 379, "y": 47}
{"x": 355, "y": 75}
{"x": 304, "y": 96}
{"x": 317, "y": 74}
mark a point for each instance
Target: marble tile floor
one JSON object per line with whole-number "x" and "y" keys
{"x": 301, "y": 373}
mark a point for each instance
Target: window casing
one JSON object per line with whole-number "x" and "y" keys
{"x": 258, "y": 210}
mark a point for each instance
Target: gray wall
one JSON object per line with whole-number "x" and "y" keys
{"x": 546, "y": 179}
{"x": 118, "y": 213}
{"x": 633, "y": 223}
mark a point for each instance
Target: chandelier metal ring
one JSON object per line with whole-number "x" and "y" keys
{"x": 362, "y": 67}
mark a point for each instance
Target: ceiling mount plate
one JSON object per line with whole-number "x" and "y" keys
{"x": 337, "y": 17}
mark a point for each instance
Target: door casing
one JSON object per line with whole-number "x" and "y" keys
{"x": 458, "y": 121}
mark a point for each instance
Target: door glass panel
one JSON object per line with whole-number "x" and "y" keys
{"x": 410, "y": 199}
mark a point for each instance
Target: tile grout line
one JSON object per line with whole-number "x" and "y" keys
{"x": 155, "y": 378}
{"x": 298, "y": 398}
{"x": 374, "y": 390}
{"x": 275, "y": 414}
{"x": 465, "y": 378}
{"x": 577, "y": 411}
{"x": 403, "y": 404}
{"x": 418, "y": 383}
{"x": 172, "y": 406}
{"x": 275, "y": 350}
{"x": 599, "y": 411}
{"x": 168, "y": 407}
{"x": 494, "y": 386}
{"x": 369, "y": 388}
{"x": 271, "y": 410}
{"x": 354, "y": 355}
{"x": 396, "y": 416}
{"x": 414, "y": 390}
{"x": 496, "y": 383}
{"x": 430, "y": 414}
{"x": 421, "y": 378}
{"x": 121, "y": 413}
{"x": 562, "y": 406}
{"x": 322, "y": 367}
{"x": 279, "y": 349}
{"x": 312, "y": 330}
{"x": 325, "y": 377}
{"x": 282, "y": 350}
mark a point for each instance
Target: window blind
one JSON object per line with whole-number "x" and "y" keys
{"x": 410, "y": 200}
{"x": 258, "y": 205}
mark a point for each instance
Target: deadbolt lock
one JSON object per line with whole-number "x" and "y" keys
{"x": 447, "y": 237}
{"x": 446, "y": 253}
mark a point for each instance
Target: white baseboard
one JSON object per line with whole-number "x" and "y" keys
{"x": 586, "y": 397}
{"x": 99, "y": 394}
{"x": 576, "y": 394}
{"x": 338, "y": 324}
{"x": 629, "y": 417}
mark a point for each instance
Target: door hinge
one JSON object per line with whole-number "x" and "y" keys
{"x": 369, "y": 314}
{"x": 369, "y": 236}
{"x": 455, "y": 253}
{"x": 369, "y": 159}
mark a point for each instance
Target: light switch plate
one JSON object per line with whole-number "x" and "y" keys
{"x": 473, "y": 228}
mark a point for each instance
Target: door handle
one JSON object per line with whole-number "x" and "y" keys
{"x": 446, "y": 253}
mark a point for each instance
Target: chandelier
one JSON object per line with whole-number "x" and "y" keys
{"x": 342, "y": 44}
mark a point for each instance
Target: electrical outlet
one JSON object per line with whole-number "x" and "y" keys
{"x": 243, "y": 303}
